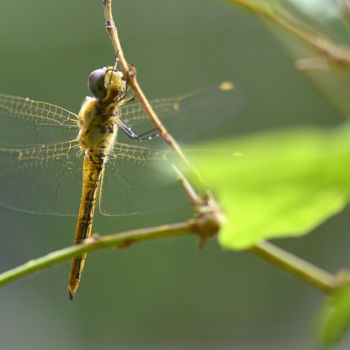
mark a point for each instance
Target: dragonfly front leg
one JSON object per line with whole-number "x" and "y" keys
{"x": 124, "y": 100}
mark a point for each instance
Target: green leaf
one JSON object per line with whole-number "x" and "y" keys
{"x": 334, "y": 317}
{"x": 278, "y": 184}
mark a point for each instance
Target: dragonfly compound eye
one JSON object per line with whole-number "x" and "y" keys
{"x": 96, "y": 83}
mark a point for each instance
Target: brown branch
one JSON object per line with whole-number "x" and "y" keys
{"x": 130, "y": 73}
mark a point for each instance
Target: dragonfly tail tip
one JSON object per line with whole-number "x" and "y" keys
{"x": 71, "y": 294}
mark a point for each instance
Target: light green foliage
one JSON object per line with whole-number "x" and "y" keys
{"x": 277, "y": 184}
{"x": 334, "y": 317}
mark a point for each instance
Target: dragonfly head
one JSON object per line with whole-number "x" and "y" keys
{"x": 106, "y": 84}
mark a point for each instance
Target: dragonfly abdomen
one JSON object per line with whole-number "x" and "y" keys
{"x": 92, "y": 173}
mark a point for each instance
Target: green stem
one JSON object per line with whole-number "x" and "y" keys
{"x": 119, "y": 240}
{"x": 287, "y": 261}
{"x": 302, "y": 269}
{"x": 336, "y": 54}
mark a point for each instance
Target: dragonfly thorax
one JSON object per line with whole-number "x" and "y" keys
{"x": 98, "y": 129}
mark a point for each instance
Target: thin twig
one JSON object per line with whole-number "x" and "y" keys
{"x": 130, "y": 72}
{"x": 336, "y": 54}
{"x": 119, "y": 240}
{"x": 304, "y": 270}
{"x": 195, "y": 199}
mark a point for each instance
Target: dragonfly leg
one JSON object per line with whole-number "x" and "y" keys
{"x": 127, "y": 100}
{"x": 144, "y": 136}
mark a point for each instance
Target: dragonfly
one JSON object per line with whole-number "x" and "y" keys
{"x": 107, "y": 155}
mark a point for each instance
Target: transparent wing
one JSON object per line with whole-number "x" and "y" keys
{"x": 27, "y": 122}
{"x": 138, "y": 179}
{"x": 41, "y": 170}
{"x": 43, "y": 180}
{"x": 190, "y": 114}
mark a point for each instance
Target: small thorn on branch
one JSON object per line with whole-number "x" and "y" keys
{"x": 201, "y": 242}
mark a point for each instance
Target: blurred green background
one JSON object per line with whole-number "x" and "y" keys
{"x": 161, "y": 295}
